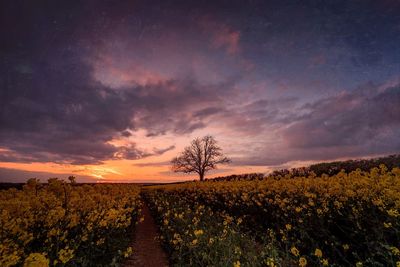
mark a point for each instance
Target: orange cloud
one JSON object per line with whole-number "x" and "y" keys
{"x": 115, "y": 74}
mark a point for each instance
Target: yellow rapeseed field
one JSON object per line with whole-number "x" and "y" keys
{"x": 60, "y": 224}
{"x": 343, "y": 220}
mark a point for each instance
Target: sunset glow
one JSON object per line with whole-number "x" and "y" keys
{"x": 112, "y": 91}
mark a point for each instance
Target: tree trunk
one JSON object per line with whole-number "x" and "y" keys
{"x": 201, "y": 177}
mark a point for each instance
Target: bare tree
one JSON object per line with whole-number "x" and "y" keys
{"x": 202, "y": 155}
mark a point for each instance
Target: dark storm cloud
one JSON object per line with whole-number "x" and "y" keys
{"x": 364, "y": 122}
{"x": 273, "y": 111}
{"x": 130, "y": 152}
{"x": 8, "y": 175}
{"x": 57, "y": 111}
{"x": 73, "y": 121}
{"x": 53, "y": 109}
{"x": 349, "y": 119}
{"x": 206, "y": 112}
{"x": 178, "y": 106}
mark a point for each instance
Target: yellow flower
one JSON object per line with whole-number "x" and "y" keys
{"x": 393, "y": 213}
{"x": 236, "y": 264}
{"x": 198, "y": 232}
{"x": 395, "y": 251}
{"x": 84, "y": 238}
{"x": 288, "y": 227}
{"x": 194, "y": 242}
{"x": 65, "y": 255}
{"x": 324, "y": 262}
{"x": 36, "y": 260}
{"x": 270, "y": 262}
{"x": 294, "y": 251}
{"x": 387, "y": 225}
{"x": 302, "y": 262}
{"x": 318, "y": 253}
{"x": 398, "y": 264}
{"x": 128, "y": 252}
{"x": 359, "y": 264}
{"x": 100, "y": 241}
{"x": 238, "y": 250}
{"x": 346, "y": 246}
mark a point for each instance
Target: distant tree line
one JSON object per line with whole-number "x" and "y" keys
{"x": 328, "y": 168}
{"x": 294, "y": 172}
{"x": 332, "y": 168}
{"x": 239, "y": 177}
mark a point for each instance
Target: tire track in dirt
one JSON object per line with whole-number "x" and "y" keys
{"x": 147, "y": 250}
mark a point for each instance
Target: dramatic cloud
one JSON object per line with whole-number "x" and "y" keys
{"x": 75, "y": 122}
{"x": 358, "y": 118}
{"x": 274, "y": 81}
{"x": 364, "y": 122}
{"x": 8, "y": 175}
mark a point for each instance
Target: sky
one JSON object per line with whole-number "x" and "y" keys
{"x": 113, "y": 90}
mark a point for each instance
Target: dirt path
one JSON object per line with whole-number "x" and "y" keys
{"x": 147, "y": 251}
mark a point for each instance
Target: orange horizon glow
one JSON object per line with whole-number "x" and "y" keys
{"x": 153, "y": 169}
{"x": 131, "y": 171}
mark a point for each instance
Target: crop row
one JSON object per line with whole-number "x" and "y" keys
{"x": 195, "y": 235}
{"x": 343, "y": 220}
{"x": 62, "y": 224}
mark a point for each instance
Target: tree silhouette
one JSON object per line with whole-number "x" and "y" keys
{"x": 202, "y": 155}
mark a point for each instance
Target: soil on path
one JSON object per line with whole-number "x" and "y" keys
{"x": 147, "y": 250}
